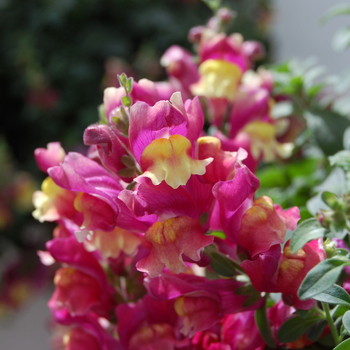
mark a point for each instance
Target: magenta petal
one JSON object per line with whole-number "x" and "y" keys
{"x": 150, "y": 123}
{"x": 81, "y": 174}
{"x": 52, "y": 156}
{"x": 263, "y": 270}
{"x": 195, "y": 119}
{"x": 234, "y": 197}
{"x": 250, "y": 104}
{"x": 109, "y": 146}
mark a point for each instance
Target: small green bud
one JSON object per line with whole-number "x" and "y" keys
{"x": 126, "y": 101}
{"x": 123, "y": 79}
{"x": 129, "y": 84}
{"x": 329, "y": 247}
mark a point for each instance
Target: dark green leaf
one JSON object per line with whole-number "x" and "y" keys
{"x": 320, "y": 278}
{"x": 264, "y": 327}
{"x": 245, "y": 290}
{"x": 302, "y": 313}
{"x": 346, "y": 321}
{"x": 334, "y": 295}
{"x": 315, "y": 331}
{"x": 127, "y": 172}
{"x": 345, "y": 345}
{"x": 295, "y": 327}
{"x": 327, "y": 128}
{"x": 252, "y": 299}
{"x": 221, "y": 264}
{"x": 307, "y": 231}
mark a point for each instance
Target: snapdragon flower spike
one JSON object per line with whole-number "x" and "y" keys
{"x": 158, "y": 139}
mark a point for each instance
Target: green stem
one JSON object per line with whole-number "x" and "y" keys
{"x": 331, "y": 323}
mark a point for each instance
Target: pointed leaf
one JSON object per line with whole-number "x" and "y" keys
{"x": 346, "y": 321}
{"x": 295, "y": 327}
{"x": 264, "y": 327}
{"x": 316, "y": 330}
{"x": 307, "y": 231}
{"x": 320, "y": 278}
{"x": 345, "y": 345}
{"x": 334, "y": 295}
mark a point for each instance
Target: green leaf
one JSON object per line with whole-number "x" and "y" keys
{"x": 213, "y": 4}
{"x": 307, "y": 231}
{"x": 320, "y": 278}
{"x": 302, "y": 313}
{"x": 127, "y": 101}
{"x": 345, "y": 345}
{"x": 330, "y": 199}
{"x": 346, "y": 321}
{"x": 341, "y": 40}
{"x": 328, "y": 128}
{"x": 339, "y": 311}
{"x": 221, "y": 264}
{"x": 219, "y": 234}
{"x": 252, "y": 299}
{"x": 282, "y": 109}
{"x": 129, "y": 85}
{"x": 334, "y": 295}
{"x": 245, "y": 290}
{"x": 346, "y": 139}
{"x": 123, "y": 80}
{"x": 316, "y": 330}
{"x": 264, "y": 327}
{"x": 341, "y": 159}
{"x": 340, "y": 9}
{"x": 295, "y": 327}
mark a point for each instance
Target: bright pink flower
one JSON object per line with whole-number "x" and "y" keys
{"x": 201, "y": 303}
{"x": 241, "y": 332}
{"x": 180, "y": 65}
{"x": 263, "y": 226}
{"x": 234, "y": 198}
{"x": 110, "y": 146}
{"x": 170, "y": 240}
{"x": 95, "y": 335}
{"x": 52, "y": 156}
{"x": 208, "y": 341}
{"x": 263, "y": 269}
{"x": 149, "y": 325}
{"x": 249, "y": 104}
{"x": 293, "y": 269}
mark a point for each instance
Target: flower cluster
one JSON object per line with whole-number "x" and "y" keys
{"x": 162, "y": 242}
